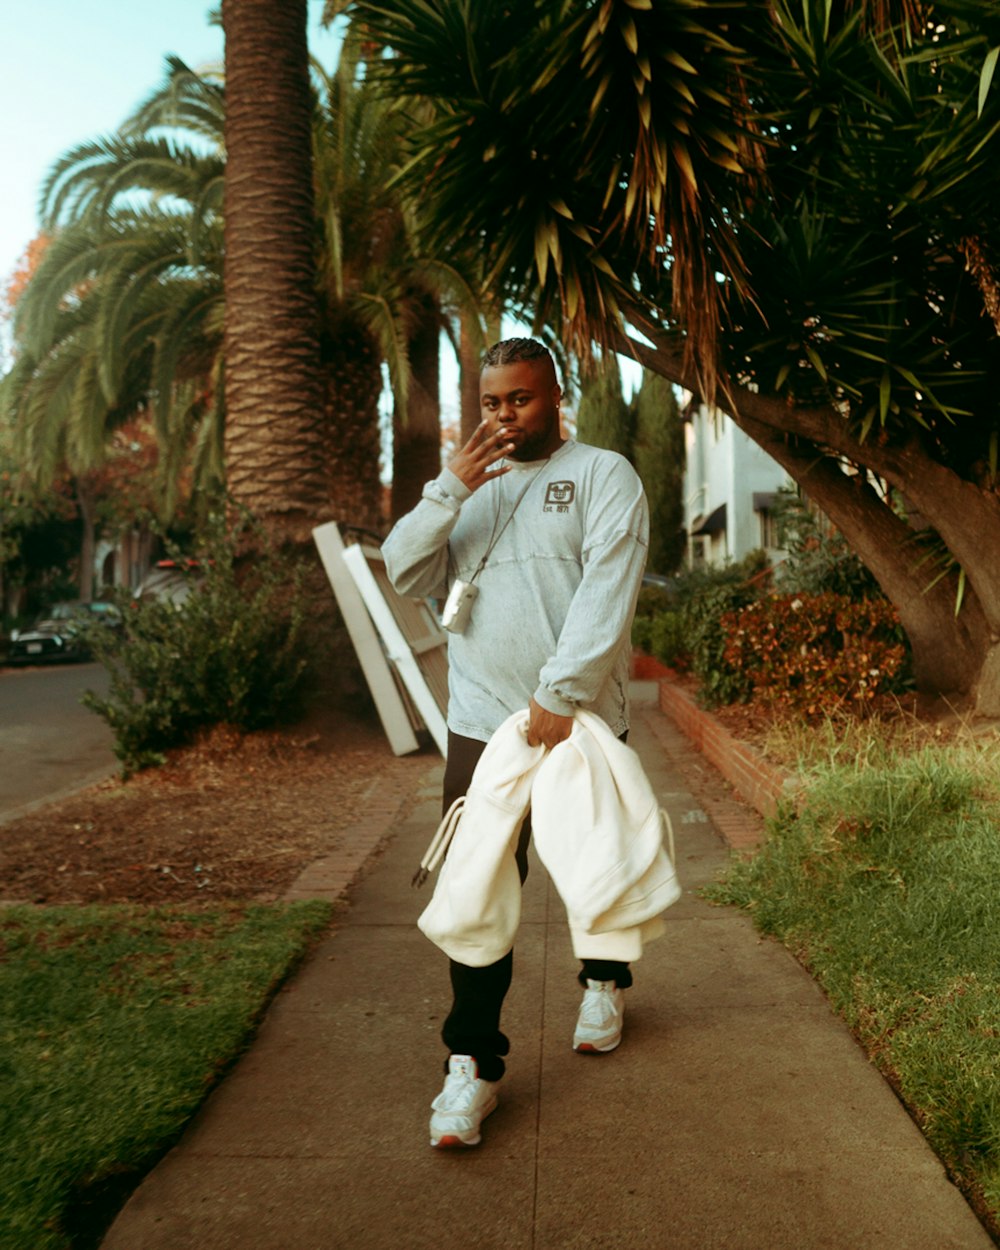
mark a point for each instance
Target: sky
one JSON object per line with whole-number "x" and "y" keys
{"x": 71, "y": 70}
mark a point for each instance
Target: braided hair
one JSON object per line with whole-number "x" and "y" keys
{"x": 507, "y": 351}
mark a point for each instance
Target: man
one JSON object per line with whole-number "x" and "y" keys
{"x": 551, "y": 536}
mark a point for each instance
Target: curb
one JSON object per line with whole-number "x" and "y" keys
{"x": 331, "y": 877}
{"x": 10, "y": 814}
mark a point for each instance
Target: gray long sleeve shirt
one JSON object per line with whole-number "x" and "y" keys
{"x": 557, "y": 594}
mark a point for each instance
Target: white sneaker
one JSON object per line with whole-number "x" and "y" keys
{"x": 462, "y": 1105}
{"x": 602, "y": 1013}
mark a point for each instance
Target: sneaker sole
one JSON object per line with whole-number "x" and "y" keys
{"x": 452, "y": 1141}
{"x": 588, "y": 1048}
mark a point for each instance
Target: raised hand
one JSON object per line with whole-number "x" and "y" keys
{"x": 475, "y": 463}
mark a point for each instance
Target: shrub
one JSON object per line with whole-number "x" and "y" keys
{"x": 656, "y": 628}
{"x": 817, "y": 558}
{"x": 815, "y": 654}
{"x": 230, "y": 654}
{"x": 710, "y": 595}
{"x": 668, "y": 640}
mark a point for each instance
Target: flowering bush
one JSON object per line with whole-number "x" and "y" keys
{"x": 681, "y": 627}
{"x": 815, "y": 654}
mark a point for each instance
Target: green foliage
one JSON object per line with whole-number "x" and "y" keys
{"x": 122, "y": 314}
{"x": 658, "y": 627}
{"x": 818, "y": 557}
{"x": 603, "y": 418}
{"x": 649, "y": 433}
{"x": 231, "y": 653}
{"x": 39, "y": 534}
{"x": 816, "y": 654}
{"x": 886, "y": 884}
{"x": 116, "y": 1023}
{"x": 668, "y": 640}
{"x": 658, "y": 454}
{"x": 809, "y": 192}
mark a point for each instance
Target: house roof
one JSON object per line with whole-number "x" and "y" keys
{"x": 714, "y": 523}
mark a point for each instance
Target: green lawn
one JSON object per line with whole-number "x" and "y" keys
{"x": 886, "y": 885}
{"x": 115, "y": 1023}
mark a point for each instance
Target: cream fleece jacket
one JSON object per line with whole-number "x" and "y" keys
{"x": 597, "y": 828}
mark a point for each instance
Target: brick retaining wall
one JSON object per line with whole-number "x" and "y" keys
{"x": 756, "y": 781}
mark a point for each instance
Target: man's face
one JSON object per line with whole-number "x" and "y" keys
{"x": 523, "y": 399}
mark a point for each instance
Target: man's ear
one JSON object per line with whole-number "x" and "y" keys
{"x": 557, "y": 394}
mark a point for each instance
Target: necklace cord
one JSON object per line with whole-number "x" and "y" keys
{"x": 494, "y": 536}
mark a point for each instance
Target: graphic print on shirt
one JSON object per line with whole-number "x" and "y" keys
{"x": 559, "y": 496}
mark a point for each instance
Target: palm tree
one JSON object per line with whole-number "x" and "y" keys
{"x": 128, "y": 307}
{"x": 123, "y": 311}
{"x": 795, "y": 205}
{"x": 377, "y": 272}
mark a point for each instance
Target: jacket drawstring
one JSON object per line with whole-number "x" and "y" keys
{"x": 439, "y": 844}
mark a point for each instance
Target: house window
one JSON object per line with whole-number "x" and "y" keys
{"x": 768, "y": 529}
{"x": 717, "y": 420}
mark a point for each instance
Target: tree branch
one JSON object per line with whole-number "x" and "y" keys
{"x": 961, "y": 512}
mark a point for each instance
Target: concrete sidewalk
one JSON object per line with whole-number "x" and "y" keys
{"x": 738, "y": 1114}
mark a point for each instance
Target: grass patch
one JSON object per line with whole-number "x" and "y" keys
{"x": 116, "y": 1023}
{"x": 886, "y": 885}
{"x": 811, "y": 747}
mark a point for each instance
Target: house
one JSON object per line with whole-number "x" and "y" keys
{"x": 125, "y": 560}
{"x": 729, "y": 489}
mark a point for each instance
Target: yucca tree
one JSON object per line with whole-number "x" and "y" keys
{"x": 794, "y": 202}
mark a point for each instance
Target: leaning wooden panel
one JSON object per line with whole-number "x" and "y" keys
{"x": 419, "y": 624}
{"x": 397, "y": 720}
{"x": 414, "y": 641}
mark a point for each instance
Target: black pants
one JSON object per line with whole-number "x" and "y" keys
{"x": 473, "y": 1024}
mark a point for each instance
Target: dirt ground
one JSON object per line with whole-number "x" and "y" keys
{"x": 237, "y": 817}
{"x": 231, "y": 817}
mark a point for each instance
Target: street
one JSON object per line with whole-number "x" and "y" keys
{"x": 49, "y": 743}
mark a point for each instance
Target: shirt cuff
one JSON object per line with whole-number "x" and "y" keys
{"x": 447, "y": 488}
{"x": 547, "y": 698}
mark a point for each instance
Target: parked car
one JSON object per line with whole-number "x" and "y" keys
{"x": 668, "y": 585}
{"x": 171, "y": 580}
{"x": 60, "y": 633}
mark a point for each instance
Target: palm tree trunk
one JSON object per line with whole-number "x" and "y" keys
{"x": 416, "y": 443}
{"x": 468, "y": 384}
{"x": 273, "y": 388}
{"x": 352, "y": 384}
